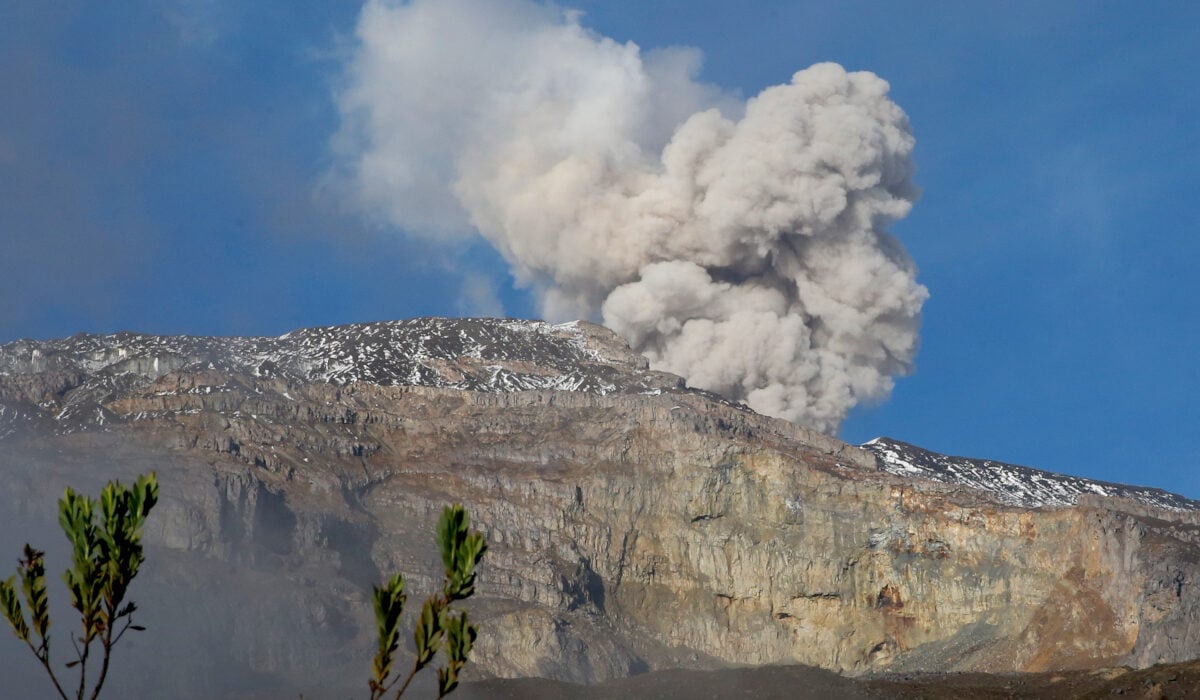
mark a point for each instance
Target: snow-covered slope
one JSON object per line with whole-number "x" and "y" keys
{"x": 1011, "y": 484}
{"x": 70, "y": 381}
{"x": 476, "y": 354}
{"x": 396, "y": 352}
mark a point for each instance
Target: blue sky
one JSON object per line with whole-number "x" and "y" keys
{"x": 163, "y": 169}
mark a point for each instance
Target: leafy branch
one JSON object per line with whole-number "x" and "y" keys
{"x": 106, "y": 554}
{"x": 440, "y": 626}
{"x": 106, "y": 546}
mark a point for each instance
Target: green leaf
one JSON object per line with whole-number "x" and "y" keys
{"x": 451, "y": 526}
{"x": 460, "y": 637}
{"x": 447, "y": 680}
{"x": 33, "y": 585}
{"x": 12, "y": 608}
{"x": 428, "y": 631}
{"x": 389, "y": 604}
{"x": 462, "y": 549}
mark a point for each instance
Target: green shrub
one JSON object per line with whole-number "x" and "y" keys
{"x": 440, "y": 626}
{"x": 106, "y": 544}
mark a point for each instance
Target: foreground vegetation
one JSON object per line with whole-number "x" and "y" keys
{"x": 440, "y": 625}
{"x": 106, "y": 554}
{"x": 106, "y": 545}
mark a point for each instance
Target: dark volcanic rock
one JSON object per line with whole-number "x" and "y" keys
{"x": 807, "y": 683}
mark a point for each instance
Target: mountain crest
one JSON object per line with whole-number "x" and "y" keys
{"x": 1009, "y": 483}
{"x": 70, "y": 380}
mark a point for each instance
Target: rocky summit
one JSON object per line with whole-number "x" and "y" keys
{"x": 634, "y": 524}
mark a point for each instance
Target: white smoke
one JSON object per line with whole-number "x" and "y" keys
{"x": 740, "y": 245}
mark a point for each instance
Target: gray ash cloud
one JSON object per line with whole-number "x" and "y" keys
{"x": 741, "y": 244}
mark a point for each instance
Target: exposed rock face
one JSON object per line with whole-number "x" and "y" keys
{"x": 633, "y": 523}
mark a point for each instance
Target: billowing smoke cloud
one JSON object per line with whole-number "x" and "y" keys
{"x": 740, "y": 245}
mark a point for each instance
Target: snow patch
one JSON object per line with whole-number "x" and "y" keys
{"x": 1008, "y": 483}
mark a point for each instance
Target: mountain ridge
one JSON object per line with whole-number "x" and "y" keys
{"x": 1013, "y": 484}
{"x": 474, "y": 354}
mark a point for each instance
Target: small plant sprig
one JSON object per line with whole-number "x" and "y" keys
{"x": 106, "y": 556}
{"x": 440, "y": 626}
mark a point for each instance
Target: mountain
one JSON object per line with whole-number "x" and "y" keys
{"x": 634, "y": 524}
{"x": 1011, "y": 484}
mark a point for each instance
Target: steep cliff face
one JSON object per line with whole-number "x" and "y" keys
{"x": 633, "y": 523}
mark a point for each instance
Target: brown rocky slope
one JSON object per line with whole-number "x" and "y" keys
{"x": 634, "y": 524}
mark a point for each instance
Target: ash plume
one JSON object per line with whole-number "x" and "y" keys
{"x": 742, "y": 245}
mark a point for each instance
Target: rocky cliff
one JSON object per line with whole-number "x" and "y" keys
{"x": 634, "y": 524}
